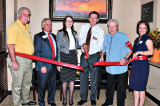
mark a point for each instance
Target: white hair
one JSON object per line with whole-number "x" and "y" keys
{"x": 113, "y": 20}
{"x": 23, "y": 8}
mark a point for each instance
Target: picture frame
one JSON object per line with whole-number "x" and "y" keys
{"x": 147, "y": 11}
{"x": 80, "y": 9}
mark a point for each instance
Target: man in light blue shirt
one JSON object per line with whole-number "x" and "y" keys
{"x": 114, "y": 46}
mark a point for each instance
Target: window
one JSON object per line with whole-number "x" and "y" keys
{"x": 3, "y": 54}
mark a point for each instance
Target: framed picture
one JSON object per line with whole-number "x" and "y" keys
{"x": 80, "y": 9}
{"x": 147, "y": 12}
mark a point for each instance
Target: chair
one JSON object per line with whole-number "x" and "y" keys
{"x": 76, "y": 83}
{"x": 102, "y": 80}
{"x": 34, "y": 83}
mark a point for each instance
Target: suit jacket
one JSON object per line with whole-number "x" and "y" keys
{"x": 42, "y": 48}
{"x": 63, "y": 42}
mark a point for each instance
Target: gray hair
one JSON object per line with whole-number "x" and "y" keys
{"x": 43, "y": 21}
{"x": 23, "y": 8}
{"x": 113, "y": 20}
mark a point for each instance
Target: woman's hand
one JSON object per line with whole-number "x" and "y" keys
{"x": 135, "y": 54}
{"x": 44, "y": 70}
{"x": 59, "y": 68}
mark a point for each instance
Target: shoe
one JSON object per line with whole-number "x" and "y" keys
{"x": 105, "y": 104}
{"x": 93, "y": 102}
{"x": 30, "y": 103}
{"x": 81, "y": 102}
{"x": 52, "y": 104}
{"x": 64, "y": 101}
{"x": 71, "y": 103}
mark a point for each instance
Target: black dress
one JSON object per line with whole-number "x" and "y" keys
{"x": 140, "y": 68}
{"x": 68, "y": 74}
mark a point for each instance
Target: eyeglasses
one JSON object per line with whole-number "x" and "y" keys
{"x": 69, "y": 21}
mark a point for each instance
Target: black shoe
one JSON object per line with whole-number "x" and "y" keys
{"x": 105, "y": 104}
{"x": 93, "y": 102}
{"x": 52, "y": 104}
{"x": 71, "y": 103}
{"x": 81, "y": 102}
{"x": 30, "y": 103}
{"x": 64, "y": 101}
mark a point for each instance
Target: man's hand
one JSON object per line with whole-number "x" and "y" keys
{"x": 84, "y": 46}
{"x": 101, "y": 59}
{"x": 43, "y": 70}
{"x": 59, "y": 68}
{"x": 15, "y": 66}
{"x": 122, "y": 61}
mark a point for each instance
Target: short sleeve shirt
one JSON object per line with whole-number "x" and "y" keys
{"x": 20, "y": 36}
{"x": 116, "y": 49}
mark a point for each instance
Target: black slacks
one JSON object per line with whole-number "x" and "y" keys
{"x": 121, "y": 88}
{"x": 46, "y": 80}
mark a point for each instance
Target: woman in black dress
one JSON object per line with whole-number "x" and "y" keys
{"x": 143, "y": 46}
{"x": 67, "y": 52}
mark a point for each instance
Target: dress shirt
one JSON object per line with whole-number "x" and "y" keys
{"x": 71, "y": 39}
{"x": 97, "y": 37}
{"x": 54, "y": 42}
{"x": 116, "y": 49}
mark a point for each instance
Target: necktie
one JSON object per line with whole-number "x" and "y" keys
{"x": 52, "y": 46}
{"x": 88, "y": 39}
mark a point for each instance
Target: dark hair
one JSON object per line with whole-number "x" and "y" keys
{"x": 94, "y": 12}
{"x": 147, "y": 25}
{"x": 64, "y": 29}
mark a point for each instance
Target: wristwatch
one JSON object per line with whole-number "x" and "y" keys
{"x": 125, "y": 58}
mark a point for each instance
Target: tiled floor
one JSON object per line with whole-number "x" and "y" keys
{"x": 129, "y": 100}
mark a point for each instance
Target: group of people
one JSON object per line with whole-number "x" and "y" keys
{"x": 63, "y": 47}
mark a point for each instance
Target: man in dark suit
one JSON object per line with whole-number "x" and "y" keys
{"x": 45, "y": 46}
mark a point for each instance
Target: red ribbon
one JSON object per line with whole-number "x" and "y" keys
{"x": 49, "y": 61}
{"x": 129, "y": 45}
{"x": 86, "y": 54}
{"x": 118, "y": 63}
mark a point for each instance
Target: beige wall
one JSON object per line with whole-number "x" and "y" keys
{"x": 126, "y": 11}
{"x": 156, "y": 14}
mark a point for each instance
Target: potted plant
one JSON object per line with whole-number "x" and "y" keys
{"x": 155, "y": 35}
